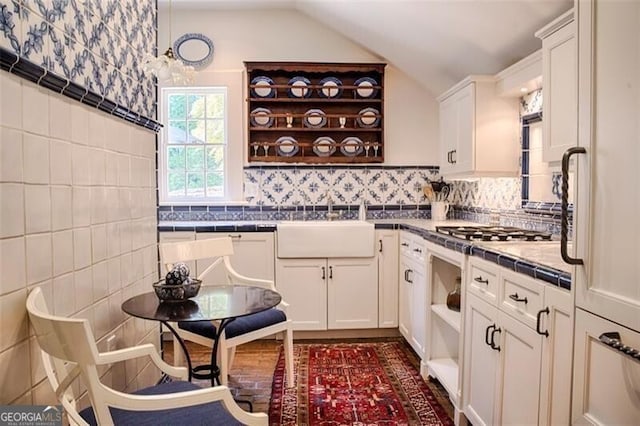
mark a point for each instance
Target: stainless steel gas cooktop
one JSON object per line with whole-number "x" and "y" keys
{"x": 493, "y": 233}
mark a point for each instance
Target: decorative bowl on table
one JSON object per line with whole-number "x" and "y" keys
{"x": 177, "y": 293}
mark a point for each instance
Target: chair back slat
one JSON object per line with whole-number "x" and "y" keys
{"x": 185, "y": 251}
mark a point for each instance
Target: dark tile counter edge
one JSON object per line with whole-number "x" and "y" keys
{"x": 534, "y": 270}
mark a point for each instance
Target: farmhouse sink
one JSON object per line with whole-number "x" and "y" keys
{"x": 338, "y": 238}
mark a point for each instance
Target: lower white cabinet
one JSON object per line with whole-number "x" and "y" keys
{"x": 413, "y": 292}
{"x": 325, "y": 294}
{"x": 387, "y": 254}
{"x": 517, "y": 370}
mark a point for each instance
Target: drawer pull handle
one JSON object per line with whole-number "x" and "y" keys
{"x": 417, "y": 250}
{"x": 515, "y": 298}
{"x": 539, "y": 322}
{"x": 486, "y": 334}
{"x": 409, "y": 280}
{"x": 330, "y": 272}
{"x": 493, "y": 338}
{"x": 380, "y": 249}
{"x": 481, "y": 280}
{"x": 613, "y": 339}
{"x": 235, "y": 237}
{"x": 404, "y": 245}
{"x": 324, "y": 273}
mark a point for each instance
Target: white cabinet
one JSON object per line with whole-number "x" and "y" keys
{"x": 444, "y": 326}
{"x": 330, "y": 293}
{"x": 253, "y": 255}
{"x": 560, "y": 86}
{"x": 518, "y": 348}
{"x": 387, "y": 254}
{"x": 606, "y": 386}
{"x": 479, "y": 130}
{"x": 413, "y": 291}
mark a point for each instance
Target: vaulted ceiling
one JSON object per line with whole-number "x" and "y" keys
{"x": 436, "y": 42}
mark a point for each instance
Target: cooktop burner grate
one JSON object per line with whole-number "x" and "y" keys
{"x": 493, "y": 233}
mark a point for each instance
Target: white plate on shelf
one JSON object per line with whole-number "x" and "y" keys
{"x": 351, "y": 146}
{"x": 300, "y": 87}
{"x": 368, "y": 117}
{"x": 261, "y": 117}
{"x": 331, "y": 87}
{"x": 315, "y": 118}
{"x": 287, "y": 146}
{"x": 364, "y": 87}
{"x": 324, "y": 146}
{"x": 264, "y": 89}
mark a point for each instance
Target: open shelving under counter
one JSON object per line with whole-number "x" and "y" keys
{"x": 453, "y": 318}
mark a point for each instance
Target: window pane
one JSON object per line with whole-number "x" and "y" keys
{"x": 177, "y": 131}
{"x": 215, "y": 184}
{"x": 215, "y": 158}
{"x": 196, "y": 106}
{"x": 215, "y": 131}
{"x": 197, "y": 131}
{"x": 176, "y": 184}
{"x": 195, "y": 184}
{"x": 177, "y": 106}
{"x": 195, "y": 158}
{"x": 215, "y": 106}
{"x": 175, "y": 158}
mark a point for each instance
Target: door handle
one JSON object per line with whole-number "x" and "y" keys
{"x": 493, "y": 338}
{"x": 515, "y": 298}
{"x": 324, "y": 273}
{"x": 613, "y": 339}
{"x": 417, "y": 250}
{"x": 539, "y": 321}
{"x": 380, "y": 249}
{"x": 330, "y": 272}
{"x": 409, "y": 280}
{"x": 564, "y": 211}
{"x": 404, "y": 245}
{"x": 486, "y": 334}
{"x": 481, "y": 280}
{"x": 449, "y": 156}
{"x": 454, "y": 160}
{"x": 235, "y": 237}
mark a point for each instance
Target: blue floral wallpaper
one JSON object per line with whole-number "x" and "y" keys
{"x": 95, "y": 44}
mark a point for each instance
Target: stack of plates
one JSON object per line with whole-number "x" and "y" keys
{"x": 331, "y": 88}
{"x": 351, "y": 146}
{"x": 261, "y": 117}
{"x": 264, "y": 89}
{"x": 368, "y": 117}
{"x": 300, "y": 87}
{"x": 324, "y": 146}
{"x": 364, "y": 87}
{"x": 315, "y": 118}
{"x": 287, "y": 146}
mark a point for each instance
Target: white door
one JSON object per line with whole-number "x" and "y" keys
{"x": 519, "y": 373}
{"x": 352, "y": 293}
{"x": 606, "y": 388}
{"x": 464, "y": 155}
{"x": 480, "y": 361}
{"x": 608, "y": 237}
{"x": 405, "y": 291}
{"x": 387, "y": 278}
{"x": 419, "y": 305}
{"x": 303, "y": 285}
{"x": 448, "y": 133}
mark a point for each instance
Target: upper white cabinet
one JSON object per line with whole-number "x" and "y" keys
{"x": 560, "y": 86}
{"x": 479, "y": 130}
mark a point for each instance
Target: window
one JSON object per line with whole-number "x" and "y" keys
{"x": 194, "y": 148}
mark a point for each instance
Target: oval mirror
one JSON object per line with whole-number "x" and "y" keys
{"x": 194, "y": 49}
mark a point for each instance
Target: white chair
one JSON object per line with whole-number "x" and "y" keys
{"x": 241, "y": 330}
{"x": 69, "y": 352}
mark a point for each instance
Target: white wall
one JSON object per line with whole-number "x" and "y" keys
{"x": 77, "y": 218}
{"x": 411, "y": 113}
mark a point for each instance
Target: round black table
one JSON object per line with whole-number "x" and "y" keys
{"x": 213, "y": 303}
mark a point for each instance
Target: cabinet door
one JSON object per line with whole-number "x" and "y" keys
{"x": 464, "y": 154}
{"x": 419, "y": 306}
{"x": 303, "y": 285}
{"x": 519, "y": 373}
{"x": 387, "y": 278}
{"x": 560, "y": 80}
{"x": 448, "y": 133}
{"x": 608, "y": 229}
{"x": 557, "y": 352}
{"x": 253, "y": 256}
{"x": 352, "y": 293}
{"x": 480, "y": 361}
{"x": 404, "y": 295}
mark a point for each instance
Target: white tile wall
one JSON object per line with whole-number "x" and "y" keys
{"x": 58, "y": 229}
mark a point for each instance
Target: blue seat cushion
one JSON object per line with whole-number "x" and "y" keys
{"x": 237, "y": 327}
{"x": 212, "y": 413}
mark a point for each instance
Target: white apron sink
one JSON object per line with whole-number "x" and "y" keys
{"x": 340, "y": 238}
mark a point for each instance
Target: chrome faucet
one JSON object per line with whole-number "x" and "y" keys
{"x": 330, "y": 214}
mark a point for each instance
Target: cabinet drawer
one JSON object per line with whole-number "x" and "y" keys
{"x": 483, "y": 279}
{"x": 521, "y": 297}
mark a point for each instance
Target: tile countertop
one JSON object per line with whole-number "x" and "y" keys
{"x": 511, "y": 254}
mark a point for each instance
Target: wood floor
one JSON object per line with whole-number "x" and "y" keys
{"x": 251, "y": 374}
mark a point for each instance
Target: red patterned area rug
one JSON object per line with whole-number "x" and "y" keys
{"x": 353, "y": 384}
